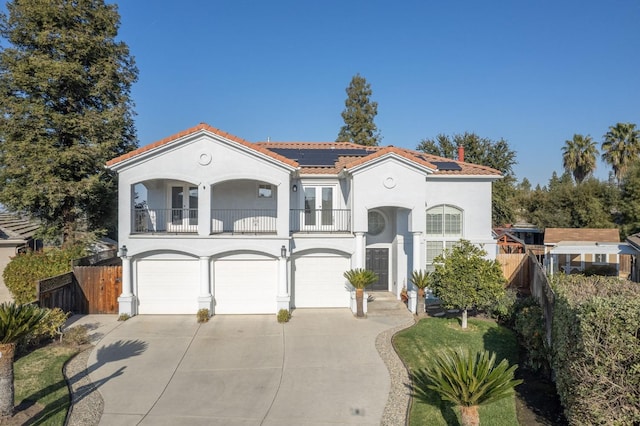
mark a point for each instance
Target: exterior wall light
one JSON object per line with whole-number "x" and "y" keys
{"x": 283, "y": 251}
{"x": 294, "y": 188}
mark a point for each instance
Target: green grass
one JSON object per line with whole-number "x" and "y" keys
{"x": 39, "y": 379}
{"x": 415, "y": 344}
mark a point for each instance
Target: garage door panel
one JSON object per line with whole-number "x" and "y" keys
{"x": 245, "y": 286}
{"x": 168, "y": 286}
{"x": 319, "y": 282}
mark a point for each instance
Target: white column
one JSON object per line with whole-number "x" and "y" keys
{"x": 126, "y": 301}
{"x": 283, "y": 298}
{"x": 358, "y": 261}
{"x": 205, "y": 299}
{"x": 204, "y": 210}
{"x": 417, "y": 252}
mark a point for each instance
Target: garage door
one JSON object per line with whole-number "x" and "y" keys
{"x": 168, "y": 286}
{"x": 319, "y": 283}
{"x": 245, "y": 286}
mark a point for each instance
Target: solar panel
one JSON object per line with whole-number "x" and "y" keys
{"x": 446, "y": 165}
{"x": 314, "y": 157}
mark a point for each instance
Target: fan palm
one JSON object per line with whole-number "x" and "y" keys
{"x": 16, "y": 321}
{"x": 420, "y": 279}
{"x": 621, "y": 147}
{"x": 579, "y": 157}
{"x": 465, "y": 379}
{"x": 360, "y": 279}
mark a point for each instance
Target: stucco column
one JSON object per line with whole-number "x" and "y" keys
{"x": 204, "y": 210}
{"x": 359, "y": 255}
{"x": 126, "y": 301}
{"x": 283, "y": 298}
{"x": 417, "y": 252}
{"x": 205, "y": 299}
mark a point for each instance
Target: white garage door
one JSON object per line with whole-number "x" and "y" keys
{"x": 319, "y": 281}
{"x": 168, "y": 286}
{"x": 245, "y": 286}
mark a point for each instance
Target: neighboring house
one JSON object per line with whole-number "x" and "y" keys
{"x": 574, "y": 250}
{"x": 16, "y": 234}
{"x": 209, "y": 220}
{"x": 634, "y": 241}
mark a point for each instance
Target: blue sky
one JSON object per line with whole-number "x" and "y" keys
{"x": 531, "y": 72}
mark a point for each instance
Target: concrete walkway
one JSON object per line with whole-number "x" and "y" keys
{"x": 321, "y": 368}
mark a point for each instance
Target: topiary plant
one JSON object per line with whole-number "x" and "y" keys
{"x": 284, "y": 315}
{"x": 203, "y": 315}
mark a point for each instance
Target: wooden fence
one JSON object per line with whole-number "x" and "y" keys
{"x": 515, "y": 268}
{"x": 85, "y": 290}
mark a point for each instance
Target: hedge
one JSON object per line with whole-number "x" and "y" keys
{"x": 596, "y": 349}
{"x": 22, "y": 274}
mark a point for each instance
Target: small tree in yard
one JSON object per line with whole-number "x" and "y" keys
{"x": 16, "y": 322}
{"x": 421, "y": 279}
{"x": 465, "y": 279}
{"x": 360, "y": 279}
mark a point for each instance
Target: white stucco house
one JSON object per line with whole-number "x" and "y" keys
{"x": 209, "y": 220}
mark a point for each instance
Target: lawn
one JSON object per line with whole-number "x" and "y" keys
{"x": 415, "y": 344}
{"x": 39, "y": 380}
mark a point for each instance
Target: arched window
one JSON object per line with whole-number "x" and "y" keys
{"x": 444, "y": 229}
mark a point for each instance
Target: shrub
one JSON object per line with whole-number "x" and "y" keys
{"x": 284, "y": 315}
{"x": 529, "y": 324}
{"x": 604, "y": 270}
{"x": 25, "y": 270}
{"x": 51, "y": 326}
{"x": 123, "y": 317}
{"x": 203, "y": 315}
{"x": 596, "y": 350}
{"x": 502, "y": 308}
{"x": 77, "y": 336}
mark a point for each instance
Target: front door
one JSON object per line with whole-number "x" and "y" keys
{"x": 318, "y": 208}
{"x": 184, "y": 209}
{"x": 378, "y": 262}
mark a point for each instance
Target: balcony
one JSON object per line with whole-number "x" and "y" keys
{"x": 166, "y": 221}
{"x": 243, "y": 221}
{"x": 320, "y": 220}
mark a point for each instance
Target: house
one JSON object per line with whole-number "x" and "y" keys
{"x": 576, "y": 250}
{"x": 16, "y": 235}
{"x": 209, "y": 220}
{"x": 634, "y": 241}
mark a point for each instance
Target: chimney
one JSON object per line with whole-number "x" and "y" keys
{"x": 461, "y": 153}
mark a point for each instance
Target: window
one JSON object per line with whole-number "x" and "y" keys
{"x": 265, "y": 191}
{"x": 600, "y": 258}
{"x": 444, "y": 229}
{"x": 376, "y": 223}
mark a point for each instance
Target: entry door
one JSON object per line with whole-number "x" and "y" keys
{"x": 318, "y": 207}
{"x": 184, "y": 209}
{"x": 378, "y": 262}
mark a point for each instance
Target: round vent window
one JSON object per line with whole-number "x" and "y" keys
{"x": 376, "y": 223}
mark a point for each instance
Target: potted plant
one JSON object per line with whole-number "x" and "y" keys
{"x": 420, "y": 279}
{"x": 360, "y": 279}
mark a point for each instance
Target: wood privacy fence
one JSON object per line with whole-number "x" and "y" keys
{"x": 515, "y": 268}
{"x": 85, "y": 290}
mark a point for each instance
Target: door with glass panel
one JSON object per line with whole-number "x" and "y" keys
{"x": 318, "y": 214}
{"x": 184, "y": 209}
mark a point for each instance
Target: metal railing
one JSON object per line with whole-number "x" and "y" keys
{"x": 321, "y": 220}
{"x": 179, "y": 221}
{"x": 243, "y": 221}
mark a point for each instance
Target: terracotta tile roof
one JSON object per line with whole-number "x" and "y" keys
{"x": 201, "y": 127}
{"x": 555, "y": 235}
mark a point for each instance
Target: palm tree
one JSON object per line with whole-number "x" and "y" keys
{"x": 465, "y": 379}
{"x": 360, "y": 279}
{"x": 16, "y": 321}
{"x": 579, "y": 157}
{"x": 420, "y": 279}
{"x": 621, "y": 147}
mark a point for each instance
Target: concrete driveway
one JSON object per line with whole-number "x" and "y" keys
{"x": 321, "y": 368}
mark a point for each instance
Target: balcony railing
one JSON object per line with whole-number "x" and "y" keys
{"x": 321, "y": 220}
{"x": 178, "y": 221}
{"x": 243, "y": 221}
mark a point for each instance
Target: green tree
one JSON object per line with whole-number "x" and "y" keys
{"x": 360, "y": 279}
{"x": 359, "y": 114}
{"x": 484, "y": 151}
{"x": 16, "y": 322}
{"x": 464, "y": 278}
{"x": 65, "y": 109}
{"x": 579, "y": 157}
{"x": 421, "y": 279}
{"x": 467, "y": 380}
{"x": 630, "y": 193}
{"x": 621, "y": 146}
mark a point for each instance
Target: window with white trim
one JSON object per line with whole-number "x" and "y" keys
{"x": 444, "y": 229}
{"x": 600, "y": 258}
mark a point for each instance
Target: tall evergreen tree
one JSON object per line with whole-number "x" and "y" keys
{"x": 621, "y": 147}
{"x": 359, "y": 114}
{"x": 579, "y": 157}
{"x": 65, "y": 109}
